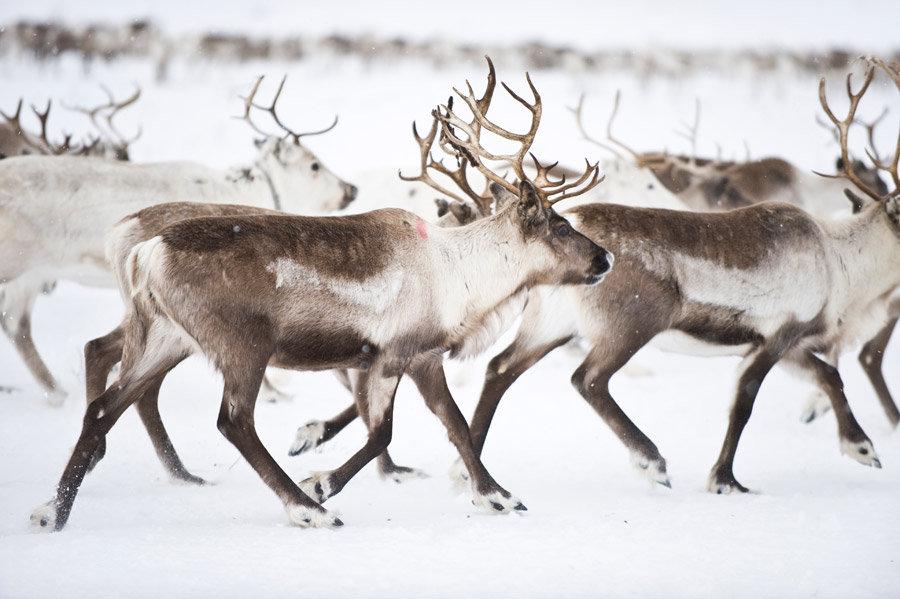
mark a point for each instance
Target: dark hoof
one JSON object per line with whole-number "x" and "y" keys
{"x": 520, "y": 507}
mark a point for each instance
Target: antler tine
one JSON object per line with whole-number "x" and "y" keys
{"x": 609, "y": 123}
{"x": 320, "y": 131}
{"x": 689, "y": 131}
{"x": 248, "y": 104}
{"x": 892, "y": 168}
{"x": 114, "y": 108}
{"x": 843, "y": 128}
{"x": 872, "y": 149}
{"x": 273, "y": 111}
{"x": 542, "y": 179}
{"x": 43, "y": 117}
{"x": 591, "y": 171}
{"x": 14, "y": 119}
{"x": 426, "y": 161}
{"x": 579, "y": 120}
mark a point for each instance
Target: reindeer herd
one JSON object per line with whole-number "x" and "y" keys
{"x": 697, "y": 255}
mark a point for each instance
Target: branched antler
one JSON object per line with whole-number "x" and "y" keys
{"x": 579, "y": 121}
{"x": 842, "y": 126}
{"x": 272, "y": 110}
{"x": 458, "y": 175}
{"x": 469, "y": 147}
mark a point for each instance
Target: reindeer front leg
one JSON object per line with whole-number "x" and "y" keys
{"x": 375, "y": 401}
{"x": 427, "y": 372}
{"x": 871, "y": 357}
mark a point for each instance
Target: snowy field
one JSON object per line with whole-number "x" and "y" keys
{"x": 818, "y": 524}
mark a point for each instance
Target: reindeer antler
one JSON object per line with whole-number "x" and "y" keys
{"x": 843, "y": 128}
{"x": 458, "y": 175}
{"x": 272, "y": 110}
{"x": 472, "y": 150}
{"x": 108, "y": 111}
{"x": 579, "y": 120}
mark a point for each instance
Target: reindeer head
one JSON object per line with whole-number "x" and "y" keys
{"x": 885, "y": 203}
{"x": 551, "y": 249}
{"x": 300, "y": 179}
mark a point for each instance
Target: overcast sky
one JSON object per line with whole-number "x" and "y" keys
{"x": 867, "y": 25}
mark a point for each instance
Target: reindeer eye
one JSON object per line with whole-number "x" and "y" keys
{"x": 649, "y": 185}
{"x": 563, "y": 230}
{"x": 315, "y": 166}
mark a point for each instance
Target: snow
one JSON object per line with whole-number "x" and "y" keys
{"x": 819, "y": 525}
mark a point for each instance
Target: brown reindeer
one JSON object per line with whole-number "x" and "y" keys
{"x": 727, "y": 279}
{"x": 707, "y": 184}
{"x": 380, "y": 291}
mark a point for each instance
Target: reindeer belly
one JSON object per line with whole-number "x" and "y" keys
{"x": 316, "y": 348}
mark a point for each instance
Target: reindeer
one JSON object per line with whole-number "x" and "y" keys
{"x": 55, "y": 211}
{"x": 711, "y": 280}
{"x": 107, "y": 143}
{"x": 711, "y": 185}
{"x": 381, "y": 292}
{"x": 725, "y": 279}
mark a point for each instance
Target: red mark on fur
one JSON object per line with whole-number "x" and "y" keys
{"x": 422, "y": 229}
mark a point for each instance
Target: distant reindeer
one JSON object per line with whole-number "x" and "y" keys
{"x": 15, "y": 140}
{"x": 710, "y": 184}
{"x": 382, "y": 292}
{"x": 55, "y": 211}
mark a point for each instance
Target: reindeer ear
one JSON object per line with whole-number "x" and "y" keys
{"x": 857, "y": 201}
{"x": 463, "y": 212}
{"x": 443, "y": 206}
{"x": 892, "y": 207}
{"x": 531, "y": 208}
{"x": 502, "y": 197}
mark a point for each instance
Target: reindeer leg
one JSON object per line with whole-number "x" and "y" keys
{"x": 15, "y": 320}
{"x": 375, "y": 402}
{"x": 236, "y": 422}
{"x": 854, "y": 442}
{"x": 754, "y": 369}
{"x": 270, "y": 392}
{"x": 819, "y": 403}
{"x": 148, "y": 409}
{"x": 427, "y": 371}
{"x": 154, "y": 359}
{"x": 871, "y": 357}
{"x": 316, "y": 432}
{"x": 100, "y": 355}
{"x": 591, "y": 379}
{"x": 502, "y": 371}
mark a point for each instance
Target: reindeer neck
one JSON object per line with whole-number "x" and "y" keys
{"x": 479, "y": 269}
{"x": 253, "y": 187}
{"x": 864, "y": 251}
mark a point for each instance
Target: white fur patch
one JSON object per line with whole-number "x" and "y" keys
{"x": 375, "y": 293}
{"x": 44, "y": 516}
{"x": 495, "y": 503}
{"x": 308, "y": 437}
{"x": 320, "y": 480}
{"x": 306, "y": 517}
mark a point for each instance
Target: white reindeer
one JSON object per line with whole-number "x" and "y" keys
{"x": 55, "y": 211}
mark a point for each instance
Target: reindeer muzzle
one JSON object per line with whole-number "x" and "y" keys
{"x": 350, "y": 193}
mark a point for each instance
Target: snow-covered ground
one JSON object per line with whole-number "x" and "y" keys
{"x": 820, "y": 524}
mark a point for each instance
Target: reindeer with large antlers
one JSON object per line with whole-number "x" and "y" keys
{"x": 55, "y": 211}
{"x": 768, "y": 282}
{"x": 711, "y": 184}
{"x": 382, "y": 292}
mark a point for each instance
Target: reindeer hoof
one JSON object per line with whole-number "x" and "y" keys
{"x": 55, "y": 398}
{"x": 459, "y": 476}
{"x": 495, "y": 503}
{"x": 310, "y": 517}
{"x": 44, "y": 517}
{"x": 722, "y": 482}
{"x": 317, "y": 487}
{"x": 818, "y": 405}
{"x": 401, "y": 474}
{"x": 654, "y": 469}
{"x": 188, "y": 479}
{"x": 861, "y": 451}
{"x": 308, "y": 437}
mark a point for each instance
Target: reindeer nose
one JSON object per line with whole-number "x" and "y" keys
{"x": 350, "y": 192}
{"x": 600, "y": 265}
